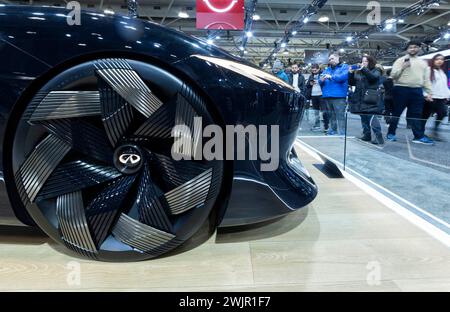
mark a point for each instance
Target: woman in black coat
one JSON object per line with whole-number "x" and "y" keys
{"x": 364, "y": 78}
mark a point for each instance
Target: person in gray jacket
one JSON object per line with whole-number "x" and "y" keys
{"x": 314, "y": 94}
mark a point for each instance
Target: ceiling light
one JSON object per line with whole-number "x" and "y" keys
{"x": 286, "y": 52}
{"x": 256, "y": 17}
{"x": 245, "y": 51}
{"x": 448, "y": 24}
{"x": 183, "y": 14}
{"x": 218, "y": 38}
{"x": 210, "y": 41}
{"x": 305, "y": 20}
{"x": 241, "y": 48}
{"x": 391, "y": 21}
{"x": 401, "y": 21}
{"x": 349, "y": 39}
{"x": 108, "y": 11}
{"x": 283, "y": 44}
{"x": 447, "y": 36}
{"x": 294, "y": 33}
{"x": 324, "y": 19}
{"x": 389, "y": 26}
{"x": 249, "y": 34}
{"x": 341, "y": 50}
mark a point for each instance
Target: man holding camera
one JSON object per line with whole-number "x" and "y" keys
{"x": 412, "y": 84}
{"x": 334, "y": 84}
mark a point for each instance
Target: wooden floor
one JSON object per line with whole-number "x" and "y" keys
{"x": 344, "y": 241}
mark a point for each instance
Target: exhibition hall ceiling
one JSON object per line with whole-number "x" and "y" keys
{"x": 339, "y": 19}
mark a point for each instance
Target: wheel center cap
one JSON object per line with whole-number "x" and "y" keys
{"x": 128, "y": 159}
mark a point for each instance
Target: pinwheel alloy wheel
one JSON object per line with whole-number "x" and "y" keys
{"x": 94, "y": 121}
{"x": 93, "y": 161}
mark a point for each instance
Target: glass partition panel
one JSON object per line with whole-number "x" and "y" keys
{"x": 315, "y": 133}
{"x": 414, "y": 172}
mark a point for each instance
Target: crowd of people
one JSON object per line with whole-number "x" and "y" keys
{"x": 368, "y": 90}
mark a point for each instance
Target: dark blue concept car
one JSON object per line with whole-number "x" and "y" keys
{"x": 91, "y": 151}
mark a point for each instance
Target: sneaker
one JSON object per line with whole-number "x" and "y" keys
{"x": 331, "y": 132}
{"x": 425, "y": 140}
{"x": 391, "y": 138}
{"x": 437, "y": 137}
{"x": 365, "y": 138}
{"x": 378, "y": 139}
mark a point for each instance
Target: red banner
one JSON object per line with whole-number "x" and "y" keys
{"x": 220, "y": 14}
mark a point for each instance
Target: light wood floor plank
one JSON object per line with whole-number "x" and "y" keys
{"x": 331, "y": 245}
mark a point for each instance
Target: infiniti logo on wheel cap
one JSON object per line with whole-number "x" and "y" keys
{"x": 128, "y": 159}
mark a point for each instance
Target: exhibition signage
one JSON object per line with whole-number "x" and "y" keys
{"x": 220, "y": 14}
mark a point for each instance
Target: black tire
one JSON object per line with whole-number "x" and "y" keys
{"x": 92, "y": 161}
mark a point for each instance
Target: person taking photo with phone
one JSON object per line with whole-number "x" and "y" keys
{"x": 366, "y": 99}
{"x": 412, "y": 83}
{"x": 314, "y": 94}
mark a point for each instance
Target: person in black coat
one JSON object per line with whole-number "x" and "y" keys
{"x": 366, "y": 77}
{"x": 313, "y": 93}
{"x": 296, "y": 78}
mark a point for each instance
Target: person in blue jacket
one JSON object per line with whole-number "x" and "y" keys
{"x": 278, "y": 70}
{"x": 334, "y": 84}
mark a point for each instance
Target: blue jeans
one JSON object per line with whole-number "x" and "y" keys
{"x": 370, "y": 123}
{"x": 319, "y": 105}
{"x": 336, "y": 110}
{"x": 411, "y": 98}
